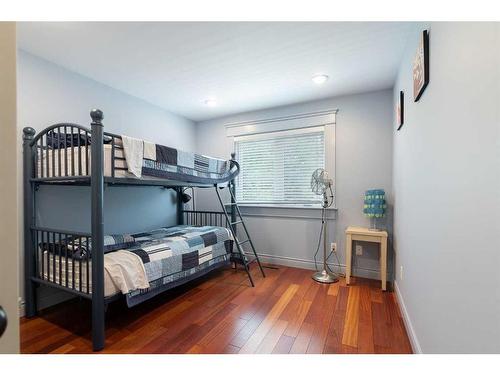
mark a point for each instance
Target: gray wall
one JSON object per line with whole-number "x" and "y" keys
{"x": 446, "y": 192}
{"x": 49, "y": 94}
{"x": 363, "y": 160}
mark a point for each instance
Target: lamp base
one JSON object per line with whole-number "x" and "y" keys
{"x": 325, "y": 277}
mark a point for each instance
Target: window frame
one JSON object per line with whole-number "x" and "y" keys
{"x": 300, "y": 121}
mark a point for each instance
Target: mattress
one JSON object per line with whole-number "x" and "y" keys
{"x": 77, "y": 164}
{"x": 80, "y": 268}
{"x": 160, "y": 257}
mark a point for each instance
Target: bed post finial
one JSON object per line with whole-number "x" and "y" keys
{"x": 97, "y": 116}
{"x": 28, "y": 133}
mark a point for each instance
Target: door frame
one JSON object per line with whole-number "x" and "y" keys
{"x": 9, "y": 190}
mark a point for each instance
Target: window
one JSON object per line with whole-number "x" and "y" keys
{"x": 276, "y": 167}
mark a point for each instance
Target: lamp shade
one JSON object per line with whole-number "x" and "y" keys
{"x": 374, "y": 203}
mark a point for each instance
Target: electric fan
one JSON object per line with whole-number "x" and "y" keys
{"x": 321, "y": 184}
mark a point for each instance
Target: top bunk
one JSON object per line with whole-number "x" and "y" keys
{"x": 62, "y": 154}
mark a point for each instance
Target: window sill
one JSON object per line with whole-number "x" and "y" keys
{"x": 286, "y": 212}
{"x": 288, "y": 206}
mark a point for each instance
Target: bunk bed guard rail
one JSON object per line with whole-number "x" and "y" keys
{"x": 63, "y": 152}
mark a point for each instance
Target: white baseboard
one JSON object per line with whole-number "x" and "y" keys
{"x": 22, "y": 311}
{"x": 406, "y": 318}
{"x": 309, "y": 265}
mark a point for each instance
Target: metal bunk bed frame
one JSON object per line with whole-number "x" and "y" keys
{"x": 34, "y": 236}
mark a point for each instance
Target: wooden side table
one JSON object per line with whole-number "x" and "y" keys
{"x": 364, "y": 234}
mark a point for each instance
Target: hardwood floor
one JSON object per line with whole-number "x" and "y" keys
{"x": 287, "y": 312}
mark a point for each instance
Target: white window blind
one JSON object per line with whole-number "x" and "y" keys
{"x": 276, "y": 167}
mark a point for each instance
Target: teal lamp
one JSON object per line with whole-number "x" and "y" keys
{"x": 374, "y": 206}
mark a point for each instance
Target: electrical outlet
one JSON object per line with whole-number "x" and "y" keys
{"x": 333, "y": 247}
{"x": 359, "y": 250}
{"x": 401, "y": 273}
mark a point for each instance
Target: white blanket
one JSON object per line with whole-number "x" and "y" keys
{"x": 149, "y": 150}
{"x": 134, "y": 153}
{"x": 123, "y": 272}
{"x": 126, "y": 270}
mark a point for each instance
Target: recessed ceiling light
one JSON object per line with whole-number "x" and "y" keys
{"x": 210, "y": 102}
{"x": 319, "y": 79}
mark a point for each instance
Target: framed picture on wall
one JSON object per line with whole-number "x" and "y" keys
{"x": 400, "y": 110}
{"x": 421, "y": 66}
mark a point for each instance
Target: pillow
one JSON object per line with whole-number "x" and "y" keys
{"x": 62, "y": 140}
{"x": 118, "y": 241}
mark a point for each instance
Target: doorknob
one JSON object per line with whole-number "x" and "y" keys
{"x": 3, "y": 321}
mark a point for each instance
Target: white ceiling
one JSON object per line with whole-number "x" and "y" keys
{"x": 245, "y": 66}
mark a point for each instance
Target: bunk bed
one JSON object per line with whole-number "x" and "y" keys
{"x": 135, "y": 266}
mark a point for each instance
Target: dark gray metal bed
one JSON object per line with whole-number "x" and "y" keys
{"x": 70, "y": 154}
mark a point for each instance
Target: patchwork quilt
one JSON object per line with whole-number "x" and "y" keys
{"x": 171, "y": 254}
{"x": 166, "y": 251}
{"x": 170, "y": 160}
{"x": 149, "y": 159}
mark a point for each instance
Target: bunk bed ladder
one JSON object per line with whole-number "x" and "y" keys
{"x": 234, "y": 220}
{"x": 242, "y": 222}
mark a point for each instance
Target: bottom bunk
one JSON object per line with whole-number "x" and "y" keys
{"x": 139, "y": 265}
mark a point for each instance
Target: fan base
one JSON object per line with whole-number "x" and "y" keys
{"x": 324, "y": 277}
